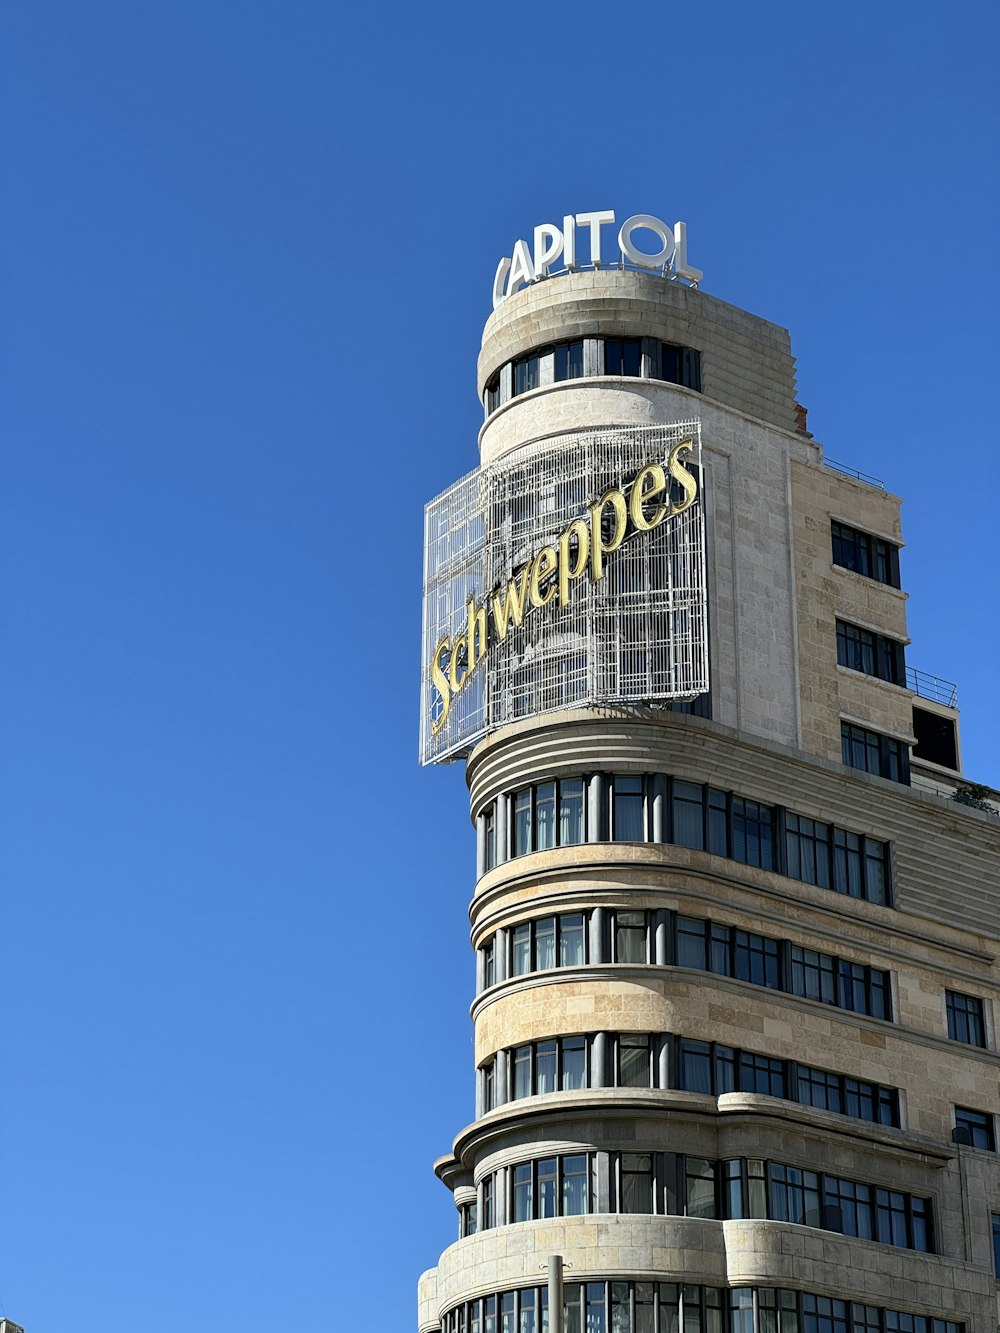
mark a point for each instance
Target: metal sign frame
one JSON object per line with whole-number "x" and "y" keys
{"x": 636, "y": 634}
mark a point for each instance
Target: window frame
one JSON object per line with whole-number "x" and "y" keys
{"x": 971, "y": 1012}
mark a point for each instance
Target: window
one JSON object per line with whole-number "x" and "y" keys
{"x": 638, "y": 1306}
{"x": 874, "y": 654}
{"x": 550, "y": 1187}
{"x": 996, "y": 1244}
{"x": 634, "y": 1061}
{"x": 700, "y": 1191}
{"x": 867, "y": 555}
{"x": 680, "y": 365}
{"x": 623, "y": 356}
{"x": 489, "y": 1086}
{"x": 874, "y": 753}
{"x": 489, "y": 962}
{"x": 627, "y": 809}
{"x": 552, "y": 814}
{"x": 630, "y": 938}
{"x": 713, "y": 1068}
{"x": 852, "y": 986}
{"x": 635, "y": 1182}
{"x": 965, "y": 1018}
{"x": 490, "y": 831}
{"x": 568, "y": 358}
{"x": 974, "y": 1128}
{"x": 467, "y": 1220}
{"x": 556, "y": 1065}
{"x": 752, "y": 833}
{"x": 552, "y": 941}
{"x": 549, "y": 814}
{"x": 492, "y": 396}
{"x": 527, "y": 371}
{"x": 744, "y": 1188}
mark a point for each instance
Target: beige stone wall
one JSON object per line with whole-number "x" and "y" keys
{"x": 825, "y": 592}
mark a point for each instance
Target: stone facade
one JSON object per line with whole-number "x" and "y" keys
{"x": 863, "y": 982}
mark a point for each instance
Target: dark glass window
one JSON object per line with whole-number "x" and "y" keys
{"x": 636, "y": 1183}
{"x": 965, "y": 1018}
{"x": 549, "y": 814}
{"x": 467, "y": 1220}
{"x": 873, "y": 654}
{"x": 756, "y": 959}
{"x": 688, "y": 813}
{"x": 680, "y": 365}
{"x": 527, "y": 371}
{"x": 490, "y": 962}
{"x": 794, "y": 1195}
{"x": 627, "y": 810}
{"x": 874, "y": 753}
{"x": 556, "y": 1065}
{"x": 700, "y": 1194}
{"x": 712, "y": 1068}
{"x": 490, "y": 823}
{"x": 690, "y": 937}
{"x": 867, "y": 555}
{"x": 979, "y": 1127}
{"x": 630, "y": 936}
{"x": 623, "y": 356}
{"x": 489, "y": 1086}
{"x": 493, "y": 393}
{"x": 996, "y": 1243}
{"x": 695, "y": 1066}
{"x": 634, "y": 1066}
{"x": 818, "y": 1088}
{"x": 552, "y": 814}
{"x": 807, "y": 849}
{"x": 823, "y": 1314}
{"x": 568, "y": 360}
{"x": 761, "y": 1073}
{"x": 623, "y": 1306}
{"x": 551, "y": 941}
{"x": 752, "y": 833}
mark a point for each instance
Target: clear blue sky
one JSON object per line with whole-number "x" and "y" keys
{"x": 246, "y": 257}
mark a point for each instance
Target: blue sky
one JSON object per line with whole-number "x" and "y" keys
{"x": 246, "y": 255}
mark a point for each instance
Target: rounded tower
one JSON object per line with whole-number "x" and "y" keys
{"x": 697, "y": 1100}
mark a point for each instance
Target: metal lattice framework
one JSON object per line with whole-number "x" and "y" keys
{"x": 638, "y": 634}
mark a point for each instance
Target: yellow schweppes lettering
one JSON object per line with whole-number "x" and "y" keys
{"x": 638, "y": 506}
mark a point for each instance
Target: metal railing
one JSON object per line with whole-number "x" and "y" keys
{"x": 932, "y": 687}
{"x": 853, "y": 472}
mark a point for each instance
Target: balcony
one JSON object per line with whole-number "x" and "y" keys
{"x": 938, "y": 691}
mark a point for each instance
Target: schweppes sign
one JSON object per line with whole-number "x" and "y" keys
{"x": 655, "y": 494}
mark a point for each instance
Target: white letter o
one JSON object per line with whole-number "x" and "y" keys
{"x": 660, "y": 230}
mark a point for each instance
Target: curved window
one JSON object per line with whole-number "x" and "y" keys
{"x": 550, "y": 814}
{"x": 623, "y": 356}
{"x": 664, "y": 1183}
{"x": 632, "y": 1060}
{"x": 567, "y": 360}
{"x": 551, "y": 941}
{"x": 706, "y": 946}
{"x": 633, "y": 357}
{"x": 551, "y": 1187}
{"x": 636, "y": 1306}
{"x": 704, "y": 818}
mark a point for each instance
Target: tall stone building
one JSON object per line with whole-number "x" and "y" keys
{"x": 736, "y": 930}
